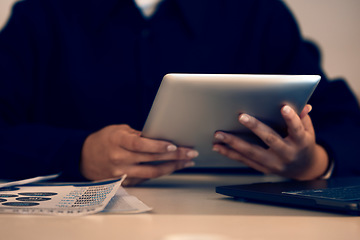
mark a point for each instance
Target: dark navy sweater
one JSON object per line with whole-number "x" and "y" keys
{"x": 71, "y": 67}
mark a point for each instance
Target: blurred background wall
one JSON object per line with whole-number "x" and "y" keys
{"x": 332, "y": 24}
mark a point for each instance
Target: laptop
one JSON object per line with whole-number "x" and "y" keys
{"x": 189, "y": 108}
{"x": 340, "y": 195}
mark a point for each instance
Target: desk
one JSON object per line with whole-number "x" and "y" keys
{"x": 188, "y": 204}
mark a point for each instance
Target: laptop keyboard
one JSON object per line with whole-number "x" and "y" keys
{"x": 341, "y": 193}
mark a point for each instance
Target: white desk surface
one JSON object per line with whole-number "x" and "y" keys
{"x": 186, "y": 205}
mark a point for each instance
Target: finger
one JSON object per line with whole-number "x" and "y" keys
{"x": 246, "y": 152}
{"x": 246, "y": 149}
{"x": 307, "y": 109}
{"x": 309, "y": 127}
{"x": 154, "y": 171}
{"x": 265, "y": 133}
{"x": 179, "y": 154}
{"x": 237, "y": 156}
{"x": 294, "y": 124}
{"x": 306, "y": 120}
{"x": 121, "y": 156}
{"x": 132, "y": 141}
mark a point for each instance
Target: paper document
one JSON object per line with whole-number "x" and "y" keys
{"x": 75, "y": 200}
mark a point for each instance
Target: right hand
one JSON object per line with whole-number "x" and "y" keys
{"x": 118, "y": 149}
{"x": 295, "y": 156}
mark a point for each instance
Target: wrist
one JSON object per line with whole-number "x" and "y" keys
{"x": 319, "y": 167}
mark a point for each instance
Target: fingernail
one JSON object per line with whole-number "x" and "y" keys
{"x": 219, "y": 136}
{"x": 192, "y": 154}
{"x": 215, "y": 149}
{"x": 171, "y": 148}
{"x": 189, "y": 164}
{"x": 244, "y": 118}
{"x": 309, "y": 108}
{"x": 286, "y": 109}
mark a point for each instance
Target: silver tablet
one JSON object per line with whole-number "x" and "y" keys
{"x": 189, "y": 108}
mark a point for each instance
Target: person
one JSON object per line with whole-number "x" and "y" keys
{"x": 78, "y": 79}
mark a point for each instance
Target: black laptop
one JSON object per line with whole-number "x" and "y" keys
{"x": 336, "y": 194}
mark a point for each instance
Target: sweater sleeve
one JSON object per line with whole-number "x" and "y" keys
{"x": 28, "y": 146}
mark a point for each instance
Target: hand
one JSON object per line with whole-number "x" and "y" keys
{"x": 296, "y": 156}
{"x": 118, "y": 149}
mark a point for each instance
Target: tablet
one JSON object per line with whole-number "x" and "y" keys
{"x": 189, "y": 108}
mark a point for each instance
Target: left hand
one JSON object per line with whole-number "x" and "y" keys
{"x": 296, "y": 156}
{"x": 116, "y": 150}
